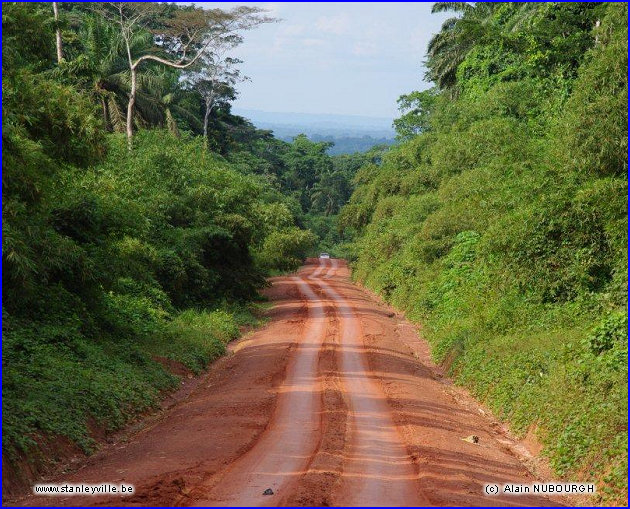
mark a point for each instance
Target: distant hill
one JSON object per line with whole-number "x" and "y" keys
{"x": 349, "y": 144}
{"x": 349, "y": 133}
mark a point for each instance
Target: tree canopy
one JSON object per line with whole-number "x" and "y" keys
{"x": 500, "y": 222}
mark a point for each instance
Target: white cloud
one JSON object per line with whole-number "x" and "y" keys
{"x": 378, "y": 45}
{"x": 286, "y": 37}
{"x": 279, "y": 45}
{"x": 337, "y": 25}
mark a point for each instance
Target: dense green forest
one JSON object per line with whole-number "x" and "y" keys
{"x": 140, "y": 217}
{"x": 500, "y": 222}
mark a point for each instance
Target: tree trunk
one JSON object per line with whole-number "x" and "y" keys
{"x": 58, "y": 33}
{"x": 130, "y": 107}
{"x": 206, "y": 119}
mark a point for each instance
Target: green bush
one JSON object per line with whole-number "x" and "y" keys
{"x": 286, "y": 249}
{"x": 196, "y": 338}
{"x": 56, "y": 381}
{"x": 503, "y": 228}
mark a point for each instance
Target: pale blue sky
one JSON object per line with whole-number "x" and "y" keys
{"x": 351, "y": 58}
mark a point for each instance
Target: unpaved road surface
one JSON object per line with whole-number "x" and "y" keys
{"x": 334, "y": 402}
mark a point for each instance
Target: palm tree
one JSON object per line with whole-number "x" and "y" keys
{"x": 164, "y": 92}
{"x": 448, "y": 48}
{"x": 158, "y": 96}
{"x": 106, "y": 66}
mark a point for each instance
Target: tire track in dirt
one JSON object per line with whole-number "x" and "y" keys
{"x": 333, "y": 402}
{"x": 377, "y": 470}
{"x": 324, "y": 471}
{"x": 283, "y": 452}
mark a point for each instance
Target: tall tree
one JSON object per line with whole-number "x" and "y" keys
{"x": 449, "y": 47}
{"x": 104, "y": 71}
{"x": 415, "y": 109}
{"x": 58, "y": 42}
{"x": 183, "y": 35}
{"x": 215, "y": 81}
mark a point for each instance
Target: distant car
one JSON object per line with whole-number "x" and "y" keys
{"x": 324, "y": 255}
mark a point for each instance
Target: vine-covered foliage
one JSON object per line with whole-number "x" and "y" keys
{"x": 502, "y": 225}
{"x": 117, "y": 263}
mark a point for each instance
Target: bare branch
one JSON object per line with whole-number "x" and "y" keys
{"x": 185, "y": 36}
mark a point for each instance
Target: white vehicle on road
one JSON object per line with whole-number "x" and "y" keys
{"x": 324, "y": 255}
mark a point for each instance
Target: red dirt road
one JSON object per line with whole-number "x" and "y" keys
{"x": 334, "y": 402}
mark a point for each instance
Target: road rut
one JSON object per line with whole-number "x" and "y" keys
{"x": 334, "y": 402}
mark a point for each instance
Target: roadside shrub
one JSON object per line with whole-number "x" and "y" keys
{"x": 503, "y": 229}
{"x": 196, "y": 338}
{"x": 285, "y": 250}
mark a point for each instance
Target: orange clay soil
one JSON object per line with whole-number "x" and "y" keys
{"x": 334, "y": 402}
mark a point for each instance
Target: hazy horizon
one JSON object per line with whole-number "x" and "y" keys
{"x": 239, "y": 111}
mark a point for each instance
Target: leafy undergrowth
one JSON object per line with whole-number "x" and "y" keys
{"x": 502, "y": 227}
{"x": 56, "y": 380}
